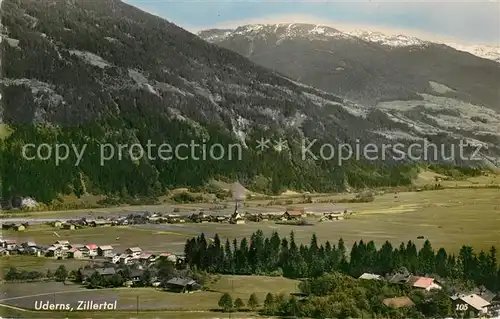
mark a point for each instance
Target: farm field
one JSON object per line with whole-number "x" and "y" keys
{"x": 31, "y": 263}
{"x": 449, "y": 218}
{"x": 24, "y": 295}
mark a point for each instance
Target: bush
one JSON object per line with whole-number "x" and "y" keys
{"x": 185, "y": 197}
{"x": 226, "y": 302}
{"x": 253, "y": 301}
{"x": 239, "y": 304}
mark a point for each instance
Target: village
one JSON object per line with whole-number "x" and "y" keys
{"x": 63, "y": 249}
{"x": 135, "y": 262}
{"x": 289, "y": 216}
{"x": 106, "y": 262}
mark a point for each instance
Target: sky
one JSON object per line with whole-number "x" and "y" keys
{"x": 466, "y": 22}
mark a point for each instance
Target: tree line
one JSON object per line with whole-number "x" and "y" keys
{"x": 274, "y": 255}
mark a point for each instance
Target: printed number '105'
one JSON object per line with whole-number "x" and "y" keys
{"x": 462, "y": 307}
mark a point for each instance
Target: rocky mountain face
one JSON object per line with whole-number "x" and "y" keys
{"x": 93, "y": 73}
{"x": 431, "y": 87}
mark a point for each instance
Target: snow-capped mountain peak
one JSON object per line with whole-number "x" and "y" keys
{"x": 288, "y": 30}
{"x": 283, "y": 31}
{"x": 398, "y": 40}
{"x": 489, "y": 52}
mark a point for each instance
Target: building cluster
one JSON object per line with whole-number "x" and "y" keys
{"x": 106, "y": 262}
{"x": 138, "y": 218}
{"x": 135, "y": 273}
{"x": 63, "y": 249}
{"x": 477, "y": 302}
{"x": 194, "y": 217}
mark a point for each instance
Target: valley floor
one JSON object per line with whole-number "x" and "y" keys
{"x": 449, "y": 218}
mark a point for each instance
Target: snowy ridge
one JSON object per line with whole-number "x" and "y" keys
{"x": 283, "y": 31}
{"x": 398, "y": 40}
{"x": 489, "y": 52}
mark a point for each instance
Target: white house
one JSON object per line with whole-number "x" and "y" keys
{"x": 368, "y": 276}
{"x": 134, "y": 251}
{"x": 62, "y": 243}
{"x": 29, "y": 244}
{"x": 105, "y": 251}
{"x": 54, "y": 251}
{"x": 115, "y": 259}
{"x": 471, "y": 302}
{"x": 10, "y": 244}
{"x": 125, "y": 258}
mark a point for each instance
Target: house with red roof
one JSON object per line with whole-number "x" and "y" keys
{"x": 90, "y": 249}
{"x": 425, "y": 283}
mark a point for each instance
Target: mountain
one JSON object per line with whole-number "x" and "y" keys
{"x": 367, "y": 67}
{"x": 108, "y": 76}
{"x": 489, "y": 52}
{"x": 429, "y": 86}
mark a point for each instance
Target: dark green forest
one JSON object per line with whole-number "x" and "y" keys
{"x": 282, "y": 256}
{"x": 330, "y": 269}
{"x": 335, "y": 295}
{"x": 51, "y": 95}
{"x": 155, "y": 82}
{"x": 269, "y": 172}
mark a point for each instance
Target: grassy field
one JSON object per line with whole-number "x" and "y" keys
{"x": 428, "y": 178}
{"x": 6, "y": 312}
{"x": 40, "y": 264}
{"x": 148, "y": 299}
{"x": 448, "y": 218}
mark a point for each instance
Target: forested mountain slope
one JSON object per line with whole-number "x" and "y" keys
{"x": 95, "y": 72}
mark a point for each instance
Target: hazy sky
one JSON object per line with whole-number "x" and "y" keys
{"x": 470, "y": 21}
